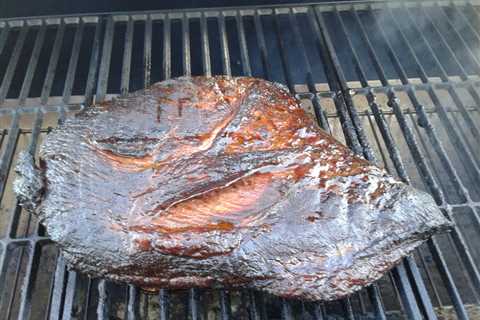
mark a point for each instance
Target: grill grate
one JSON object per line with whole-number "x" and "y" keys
{"x": 396, "y": 82}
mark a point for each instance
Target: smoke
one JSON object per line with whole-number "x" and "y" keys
{"x": 441, "y": 37}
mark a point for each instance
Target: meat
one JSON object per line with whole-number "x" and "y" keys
{"x": 220, "y": 182}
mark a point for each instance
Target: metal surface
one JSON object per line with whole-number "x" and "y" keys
{"x": 398, "y": 82}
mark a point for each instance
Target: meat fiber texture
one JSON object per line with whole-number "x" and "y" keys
{"x": 220, "y": 182}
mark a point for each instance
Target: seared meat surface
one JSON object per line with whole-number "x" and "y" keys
{"x": 220, "y": 181}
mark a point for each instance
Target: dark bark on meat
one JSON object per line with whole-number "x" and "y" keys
{"x": 216, "y": 182}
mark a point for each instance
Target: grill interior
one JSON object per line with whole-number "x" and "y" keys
{"x": 397, "y": 82}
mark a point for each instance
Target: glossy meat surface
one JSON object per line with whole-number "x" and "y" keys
{"x": 216, "y": 182}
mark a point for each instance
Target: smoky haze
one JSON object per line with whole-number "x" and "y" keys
{"x": 444, "y": 39}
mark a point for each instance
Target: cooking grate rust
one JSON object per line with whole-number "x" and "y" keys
{"x": 397, "y": 82}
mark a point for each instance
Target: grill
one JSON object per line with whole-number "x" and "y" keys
{"x": 397, "y": 82}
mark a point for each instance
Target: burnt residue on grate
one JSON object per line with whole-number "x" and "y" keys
{"x": 398, "y": 82}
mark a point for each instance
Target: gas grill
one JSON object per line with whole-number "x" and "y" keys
{"x": 398, "y": 82}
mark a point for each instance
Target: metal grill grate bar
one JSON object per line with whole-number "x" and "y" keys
{"x": 104, "y": 71}
{"x": 286, "y": 68}
{"x": 7, "y": 156}
{"x": 69, "y": 295}
{"x": 4, "y": 36}
{"x": 147, "y": 52}
{"x": 243, "y": 46}
{"x": 34, "y": 247}
{"x": 7, "y": 78}
{"x": 72, "y": 64}
{"x": 194, "y": 304}
{"x": 103, "y": 301}
{"x": 32, "y": 65}
{"x": 320, "y": 114}
{"x": 224, "y": 45}
{"x": 187, "y": 70}
{"x": 263, "y": 47}
{"x": 127, "y": 58}
{"x": 374, "y": 295}
{"x": 56, "y": 304}
{"x": 225, "y": 311}
{"x": 52, "y": 64}
{"x": 207, "y": 69}
{"x": 163, "y": 304}
{"x": 406, "y": 293}
{"x": 167, "y": 53}
{"x": 132, "y": 303}
{"x": 347, "y": 305}
{"x": 88, "y": 298}
{"x": 93, "y": 68}
{"x": 286, "y": 310}
{"x": 448, "y": 280}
